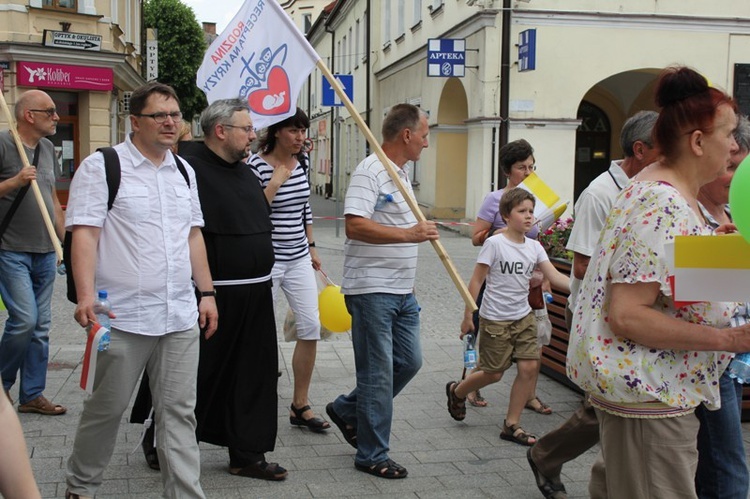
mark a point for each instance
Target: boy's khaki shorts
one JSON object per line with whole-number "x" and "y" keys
{"x": 500, "y": 341}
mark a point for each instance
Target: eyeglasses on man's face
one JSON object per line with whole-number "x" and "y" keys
{"x": 246, "y": 129}
{"x": 525, "y": 168}
{"x": 51, "y": 111}
{"x": 161, "y": 118}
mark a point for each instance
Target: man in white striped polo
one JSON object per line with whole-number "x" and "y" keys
{"x": 380, "y": 263}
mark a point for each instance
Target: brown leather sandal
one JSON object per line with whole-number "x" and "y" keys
{"x": 41, "y": 405}
{"x": 514, "y": 433}
{"x": 476, "y": 399}
{"x": 456, "y": 405}
{"x": 541, "y": 408}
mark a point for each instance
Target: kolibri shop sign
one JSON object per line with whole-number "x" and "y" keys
{"x": 46, "y": 75}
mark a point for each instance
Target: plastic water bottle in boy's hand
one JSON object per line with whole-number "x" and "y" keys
{"x": 548, "y": 297}
{"x": 102, "y": 308}
{"x": 470, "y": 354}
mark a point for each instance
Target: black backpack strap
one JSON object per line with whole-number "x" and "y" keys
{"x": 112, "y": 175}
{"x": 181, "y": 167}
{"x": 111, "y": 172}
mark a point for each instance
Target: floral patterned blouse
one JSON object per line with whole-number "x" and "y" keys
{"x": 621, "y": 376}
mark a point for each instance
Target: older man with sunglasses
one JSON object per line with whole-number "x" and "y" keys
{"x": 27, "y": 256}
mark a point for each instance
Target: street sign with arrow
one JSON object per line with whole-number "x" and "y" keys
{"x": 68, "y": 40}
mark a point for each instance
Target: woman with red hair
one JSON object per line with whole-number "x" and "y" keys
{"x": 645, "y": 361}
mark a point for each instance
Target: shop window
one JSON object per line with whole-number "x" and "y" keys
{"x": 70, "y": 5}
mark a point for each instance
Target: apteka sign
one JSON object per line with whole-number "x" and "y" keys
{"x": 446, "y": 57}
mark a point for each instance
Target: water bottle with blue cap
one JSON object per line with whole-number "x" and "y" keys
{"x": 383, "y": 199}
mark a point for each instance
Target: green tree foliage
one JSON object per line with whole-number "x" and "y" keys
{"x": 181, "y": 50}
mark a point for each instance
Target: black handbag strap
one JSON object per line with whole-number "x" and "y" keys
{"x": 19, "y": 197}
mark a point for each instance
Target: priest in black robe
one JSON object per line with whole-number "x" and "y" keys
{"x": 237, "y": 373}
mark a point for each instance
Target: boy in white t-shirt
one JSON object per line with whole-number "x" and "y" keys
{"x": 507, "y": 326}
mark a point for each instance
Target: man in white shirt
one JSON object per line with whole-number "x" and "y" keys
{"x": 581, "y": 432}
{"x": 144, "y": 252}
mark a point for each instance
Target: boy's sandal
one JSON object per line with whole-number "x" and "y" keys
{"x": 456, "y": 405}
{"x": 537, "y": 405}
{"x": 41, "y": 405}
{"x": 384, "y": 469}
{"x": 516, "y": 434}
{"x": 476, "y": 399}
{"x": 318, "y": 425}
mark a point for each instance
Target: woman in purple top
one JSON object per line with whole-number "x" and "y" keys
{"x": 517, "y": 161}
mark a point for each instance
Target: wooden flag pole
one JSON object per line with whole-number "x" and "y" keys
{"x": 391, "y": 169}
{"x": 34, "y": 185}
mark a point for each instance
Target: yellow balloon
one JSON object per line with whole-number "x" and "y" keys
{"x": 333, "y": 313}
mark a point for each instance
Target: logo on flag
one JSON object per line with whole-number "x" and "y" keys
{"x": 260, "y": 57}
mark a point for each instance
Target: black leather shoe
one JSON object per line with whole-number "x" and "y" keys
{"x": 149, "y": 451}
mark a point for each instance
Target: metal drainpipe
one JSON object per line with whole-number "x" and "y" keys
{"x": 492, "y": 160}
{"x": 367, "y": 70}
{"x": 144, "y": 52}
{"x": 333, "y": 141}
{"x": 504, "y": 84}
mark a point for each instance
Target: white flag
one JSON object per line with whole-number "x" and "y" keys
{"x": 262, "y": 57}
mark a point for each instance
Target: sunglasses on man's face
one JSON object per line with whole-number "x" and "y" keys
{"x": 51, "y": 111}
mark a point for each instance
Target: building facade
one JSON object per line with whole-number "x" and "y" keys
{"x": 87, "y": 54}
{"x": 595, "y": 64}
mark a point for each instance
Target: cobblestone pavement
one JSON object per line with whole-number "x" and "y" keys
{"x": 445, "y": 458}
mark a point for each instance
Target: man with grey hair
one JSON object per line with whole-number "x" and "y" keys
{"x": 237, "y": 373}
{"x": 742, "y": 137}
{"x": 581, "y": 431}
{"x": 380, "y": 261}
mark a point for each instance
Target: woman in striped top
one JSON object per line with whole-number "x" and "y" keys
{"x": 285, "y": 184}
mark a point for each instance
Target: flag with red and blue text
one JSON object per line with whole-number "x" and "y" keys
{"x": 261, "y": 57}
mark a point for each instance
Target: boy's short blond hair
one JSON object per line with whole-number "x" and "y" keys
{"x": 512, "y": 198}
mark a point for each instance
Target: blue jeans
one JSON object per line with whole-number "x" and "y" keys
{"x": 26, "y": 281}
{"x": 722, "y": 471}
{"x": 387, "y": 355}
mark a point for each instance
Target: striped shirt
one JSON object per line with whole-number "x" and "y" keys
{"x": 378, "y": 268}
{"x": 290, "y": 211}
